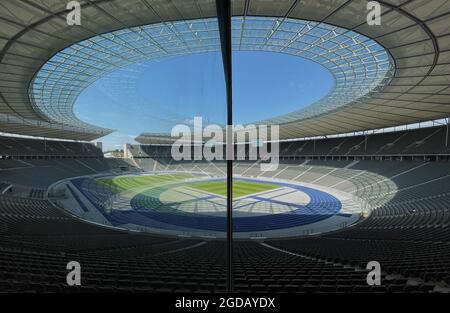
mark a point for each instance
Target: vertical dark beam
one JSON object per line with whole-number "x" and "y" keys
{"x": 447, "y": 134}
{"x": 365, "y": 143}
{"x": 224, "y": 17}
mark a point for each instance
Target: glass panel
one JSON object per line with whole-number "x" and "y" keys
{"x": 134, "y": 213}
{"x": 286, "y": 71}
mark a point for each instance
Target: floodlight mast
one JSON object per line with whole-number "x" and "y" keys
{"x": 224, "y": 18}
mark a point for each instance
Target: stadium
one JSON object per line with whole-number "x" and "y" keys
{"x": 362, "y": 176}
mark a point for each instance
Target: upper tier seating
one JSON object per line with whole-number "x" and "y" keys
{"x": 24, "y": 147}
{"x": 423, "y": 141}
{"x": 427, "y": 141}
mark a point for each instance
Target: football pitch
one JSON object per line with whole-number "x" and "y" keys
{"x": 219, "y": 187}
{"x": 240, "y": 187}
{"x": 123, "y": 183}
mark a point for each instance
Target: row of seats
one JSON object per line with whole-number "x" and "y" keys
{"x": 198, "y": 267}
{"x": 409, "y": 257}
{"x": 426, "y": 141}
{"x": 39, "y": 174}
{"x": 25, "y": 147}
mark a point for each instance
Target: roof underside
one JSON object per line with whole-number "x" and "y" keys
{"x": 415, "y": 32}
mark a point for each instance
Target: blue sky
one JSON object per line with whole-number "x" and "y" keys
{"x": 156, "y": 95}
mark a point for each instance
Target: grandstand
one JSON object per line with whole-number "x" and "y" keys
{"x": 409, "y": 199}
{"x": 345, "y": 192}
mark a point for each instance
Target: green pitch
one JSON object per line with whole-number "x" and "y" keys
{"x": 240, "y": 187}
{"x": 122, "y": 183}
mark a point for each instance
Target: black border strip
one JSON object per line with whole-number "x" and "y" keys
{"x": 224, "y": 18}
